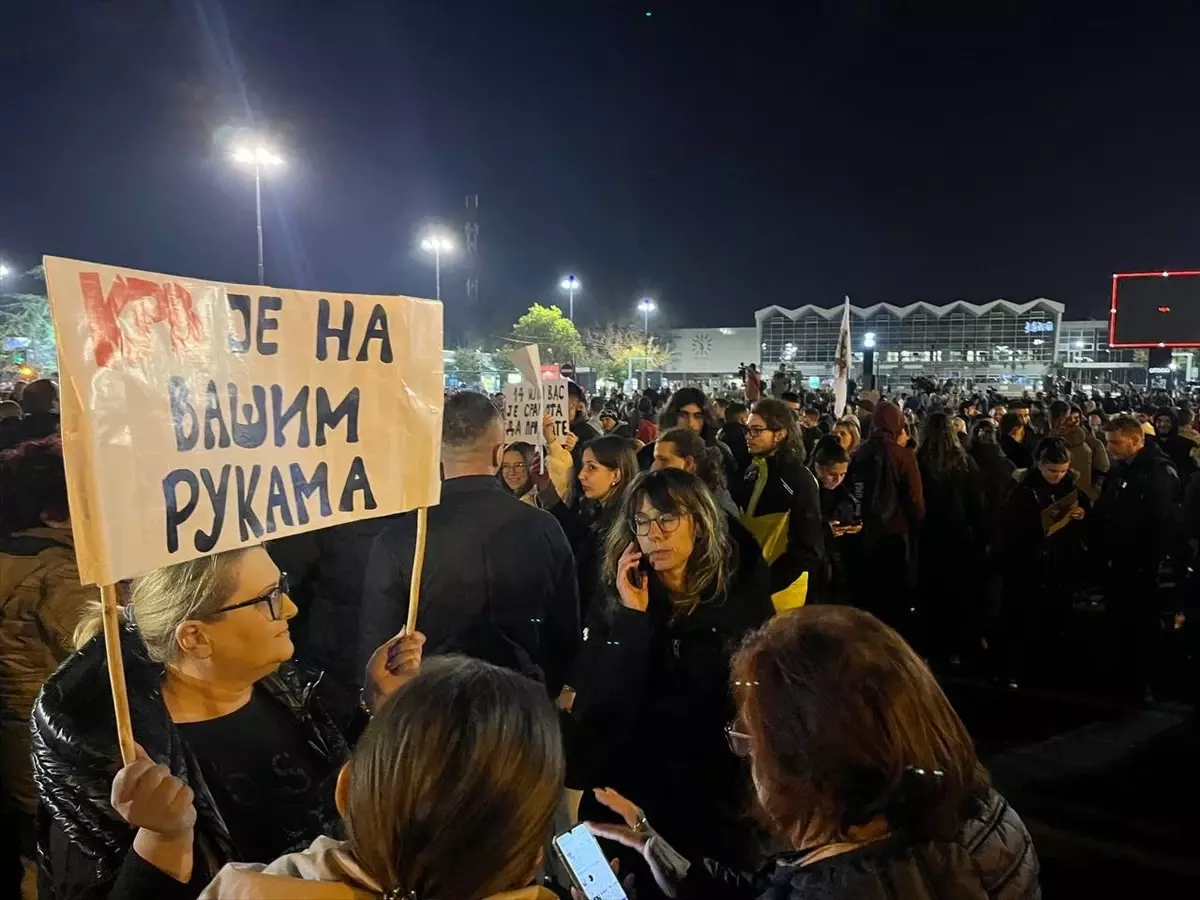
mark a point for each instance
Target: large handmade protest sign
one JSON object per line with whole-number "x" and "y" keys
{"x": 199, "y": 417}
{"x": 525, "y": 404}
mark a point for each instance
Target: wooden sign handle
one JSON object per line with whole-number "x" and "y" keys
{"x": 116, "y": 671}
{"x": 414, "y": 586}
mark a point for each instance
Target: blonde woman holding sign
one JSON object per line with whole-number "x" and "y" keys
{"x": 223, "y": 718}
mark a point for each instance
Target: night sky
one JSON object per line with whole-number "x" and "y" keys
{"x": 718, "y": 156}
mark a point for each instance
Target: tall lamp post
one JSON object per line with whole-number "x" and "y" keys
{"x": 437, "y": 244}
{"x": 258, "y": 156}
{"x": 646, "y": 306}
{"x": 4, "y": 270}
{"x": 570, "y": 284}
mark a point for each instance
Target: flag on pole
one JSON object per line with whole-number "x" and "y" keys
{"x": 841, "y": 365}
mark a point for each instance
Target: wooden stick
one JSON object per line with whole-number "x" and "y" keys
{"x": 116, "y": 671}
{"x": 414, "y": 586}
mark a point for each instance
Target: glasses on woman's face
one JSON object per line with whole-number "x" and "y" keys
{"x": 667, "y": 523}
{"x": 273, "y": 598}
{"x": 739, "y": 741}
{"x": 514, "y": 468}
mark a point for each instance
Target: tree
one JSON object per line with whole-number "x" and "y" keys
{"x": 467, "y": 364}
{"x": 26, "y": 324}
{"x": 555, "y": 335}
{"x": 612, "y": 349}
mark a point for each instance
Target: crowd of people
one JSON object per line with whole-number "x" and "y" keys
{"x": 688, "y": 610}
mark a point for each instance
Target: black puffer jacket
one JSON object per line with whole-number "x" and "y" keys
{"x": 653, "y": 702}
{"x": 82, "y": 841}
{"x": 991, "y": 858}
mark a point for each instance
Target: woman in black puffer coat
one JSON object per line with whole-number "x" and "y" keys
{"x": 862, "y": 768}
{"x": 215, "y": 698}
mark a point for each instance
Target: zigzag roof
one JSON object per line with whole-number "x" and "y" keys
{"x": 910, "y": 308}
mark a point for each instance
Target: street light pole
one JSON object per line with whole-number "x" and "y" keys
{"x": 435, "y": 244}
{"x": 647, "y": 307}
{"x": 3, "y": 273}
{"x": 569, "y": 284}
{"x": 258, "y": 218}
{"x": 258, "y": 156}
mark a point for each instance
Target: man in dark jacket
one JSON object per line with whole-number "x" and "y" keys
{"x": 499, "y": 577}
{"x": 689, "y": 408}
{"x": 1177, "y": 448}
{"x": 1136, "y": 516}
{"x": 325, "y": 571}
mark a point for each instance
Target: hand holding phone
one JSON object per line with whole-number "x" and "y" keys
{"x": 590, "y": 872}
{"x": 633, "y": 580}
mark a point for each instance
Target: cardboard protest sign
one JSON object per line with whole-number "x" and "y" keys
{"x": 525, "y": 404}
{"x": 199, "y": 417}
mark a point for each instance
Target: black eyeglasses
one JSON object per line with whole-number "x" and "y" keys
{"x": 739, "y": 741}
{"x": 667, "y": 523}
{"x": 273, "y": 598}
{"x": 514, "y": 467}
{"x": 755, "y": 430}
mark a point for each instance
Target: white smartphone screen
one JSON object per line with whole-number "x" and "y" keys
{"x": 593, "y": 876}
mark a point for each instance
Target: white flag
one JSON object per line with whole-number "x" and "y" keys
{"x": 528, "y": 361}
{"x": 841, "y": 365}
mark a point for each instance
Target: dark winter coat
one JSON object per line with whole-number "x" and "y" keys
{"x": 30, "y": 427}
{"x": 793, "y": 489}
{"x": 325, "y": 570}
{"x": 653, "y": 701}
{"x": 991, "y": 858}
{"x": 996, "y": 478}
{"x": 1177, "y": 448}
{"x": 954, "y": 510}
{"x": 586, "y": 525}
{"x": 885, "y": 480}
{"x": 1032, "y": 559}
{"x": 1018, "y": 453}
{"x": 82, "y": 841}
{"x": 1138, "y": 511}
{"x": 498, "y": 582}
{"x": 733, "y": 436}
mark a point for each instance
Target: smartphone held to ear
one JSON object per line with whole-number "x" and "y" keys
{"x": 637, "y": 577}
{"x": 579, "y": 853}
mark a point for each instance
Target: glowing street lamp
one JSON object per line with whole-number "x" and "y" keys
{"x": 646, "y": 306}
{"x": 4, "y": 271}
{"x": 437, "y": 244}
{"x": 259, "y": 156}
{"x": 570, "y": 284}
{"x": 869, "y": 340}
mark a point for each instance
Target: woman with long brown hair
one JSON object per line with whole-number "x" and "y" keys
{"x": 608, "y": 466}
{"x": 861, "y": 767}
{"x": 474, "y": 831}
{"x": 652, "y": 696}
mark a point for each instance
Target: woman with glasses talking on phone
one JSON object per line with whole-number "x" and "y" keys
{"x": 223, "y": 719}
{"x": 683, "y": 590}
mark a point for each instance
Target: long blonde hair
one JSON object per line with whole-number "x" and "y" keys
{"x": 164, "y": 599}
